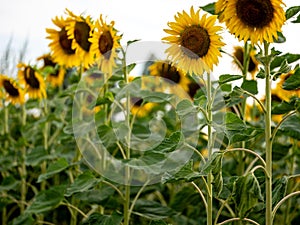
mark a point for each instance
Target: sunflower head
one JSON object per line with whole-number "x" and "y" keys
{"x": 254, "y": 20}
{"x": 238, "y": 54}
{"x": 55, "y": 72}
{"x": 105, "y": 44}
{"x": 170, "y": 73}
{"x": 140, "y": 108}
{"x": 12, "y": 92}
{"x": 79, "y": 30}
{"x": 195, "y": 43}
{"x": 61, "y": 44}
{"x": 33, "y": 81}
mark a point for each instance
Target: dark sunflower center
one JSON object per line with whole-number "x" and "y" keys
{"x": 31, "y": 79}
{"x": 106, "y": 44}
{"x": 136, "y": 101}
{"x": 170, "y": 73}
{"x": 195, "y": 41}
{"x": 10, "y": 89}
{"x": 82, "y": 35}
{"x": 255, "y": 13}
{"x": 65, "y": 42}
{"x": 193, "y": 88}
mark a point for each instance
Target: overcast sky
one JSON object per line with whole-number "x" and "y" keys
{"x": 136, "y": 19}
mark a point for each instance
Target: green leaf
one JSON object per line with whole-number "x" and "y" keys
{"x": 279, "y": 189}
{"x": 277, "y": 61}
{"x": 250, "y": 86}
{"x": 47, "y": 200}
{"x": 185, "y": 173}
{"x": 36, "y": 155}
{"x": 283, "y": 107}
{"x": 169, "y": 144}
{"x": 292, "y": 11}
{"x": 297, "y": 20}
{"x": 280, "y": 39}
{"x": 96, "y": 196}
{"x": 210, "y": 8}
{"x": 9, "y": 183}
{"x": 82, "y": 183}
{"x": 246, "y": 193}
{"x": 107, "y": 136}
{"x": 215, "y": 166}
{"x": 157, "y": 222}
{"x": 153, "y": 210}
{"x": 132, "y": 41}
{"x": 99, "y": 219}
{"x": 291, "y": 127}
{"x": 54, "y": 168}
{"x": 24, "y": 219}
{"x": 225, "y": 78}
{"x": 233, "y": 122}
{"x": 261, "y": 73}
{"x": 186, "y": 195}
{"x": 292, "y": 82}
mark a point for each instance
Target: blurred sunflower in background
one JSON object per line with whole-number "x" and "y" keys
{"x": 12, "y": 92}
{"x": 33, "y": 81}
{"x": 105, "y": 43}
{"x": 238, "y": 55}
{"x": 170, "y": 73}
{"x": 61, "y": 44}
{"x": 139, "y": 107}
{"x": 79, "y": 30}
{"x": 254, "y": 20}
{"x": 195, "y": 42}
{"x": 55, "y": 72}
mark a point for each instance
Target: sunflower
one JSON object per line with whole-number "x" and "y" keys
{"x": 238, "y": 54}
{"x": 61, "y": 44}
{"x": 220, "y": 5}
{"x": 13, "y": 93}
{"x": 140, "y": 108}
{"x": 79, "y": 30}
{"x": 33, "y": 81}
{"x": 105, "y": 43}
{"x": 170, "y": 73}
{"x": 57, "y": 74}
{"x": 195, "y": 44}
{"x": 254, "y": 20}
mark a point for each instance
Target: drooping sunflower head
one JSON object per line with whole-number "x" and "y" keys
{"x": 55, "y": 73}
{"x": 33, "y": 81}
{"x": 238, "y": 54}
{"x": 254, "y": 20}
{"x": 61, "y": 44}
{"x": 195, "y": 42}
{"x": 105, "y": 44}
{"x": 12, "y": 92}
{"x": 79, "y": 30}
{"x": 170, "y": 73}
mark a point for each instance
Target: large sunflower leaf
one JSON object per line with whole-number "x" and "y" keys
{"x": 47, "y": 200}
{"x": 99, "y": 219}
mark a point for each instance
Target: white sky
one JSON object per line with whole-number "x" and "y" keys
{"x": 136, "y": 19}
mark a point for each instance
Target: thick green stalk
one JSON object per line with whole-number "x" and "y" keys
{"x": 268, "y": 136}
{"x": 209, "y": 148}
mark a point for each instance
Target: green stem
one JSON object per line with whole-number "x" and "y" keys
{"x": 127, "y": 169}
{"x": 23, "y": 171}
{"x": 268, "y": 140}
{"x": 210, "y": 148}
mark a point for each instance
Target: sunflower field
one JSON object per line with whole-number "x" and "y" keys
{"x": 86, "y": 139}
